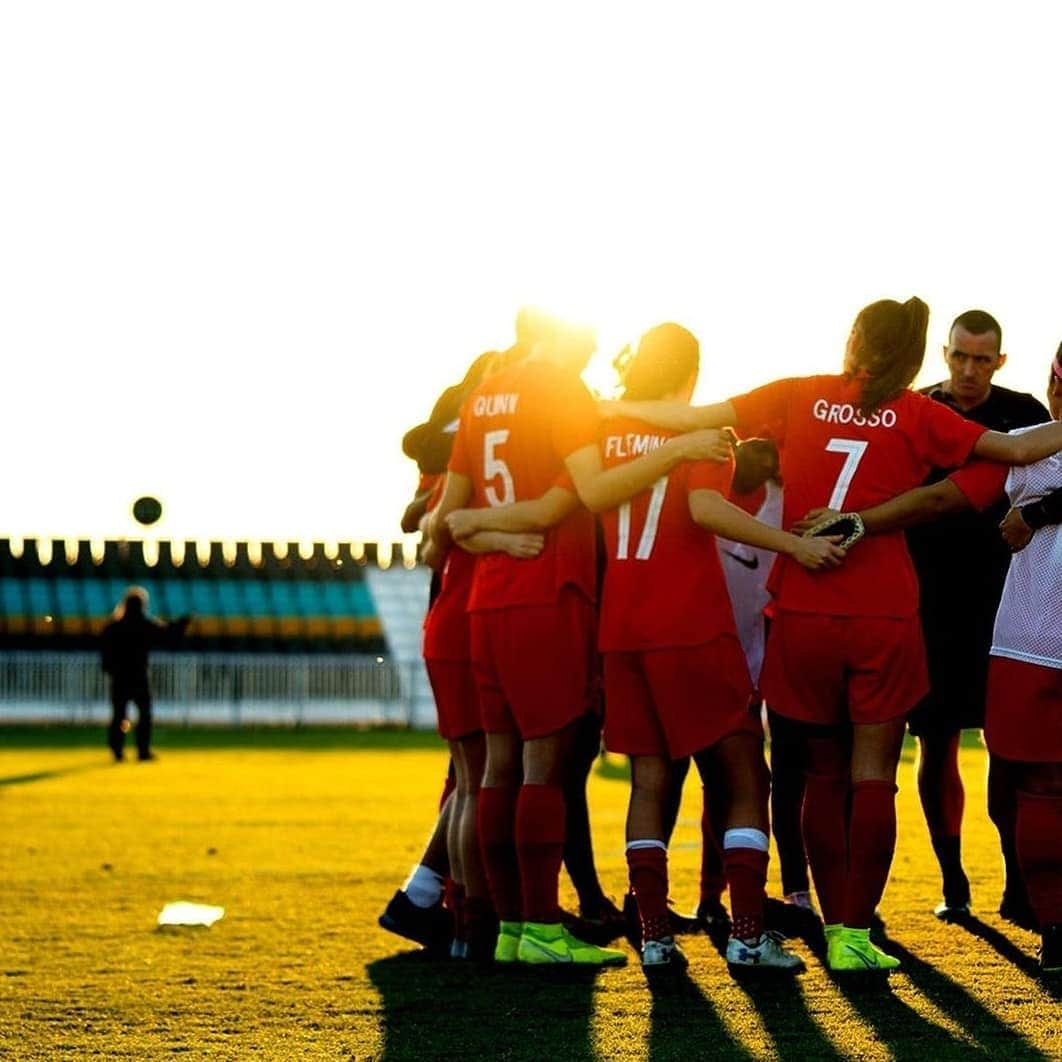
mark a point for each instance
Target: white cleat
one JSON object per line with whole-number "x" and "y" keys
{"x": 766, "y": 953}
{"x": 663, "y": 954}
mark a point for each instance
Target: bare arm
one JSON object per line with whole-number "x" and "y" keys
{"x": 521, "y": 546}
{"x": 916, "y": 506}
{"x": 714, "y": 513}
{"x": 1021, "y": 449}
{"x": 675, "y": 416}
{"x": 414, "y": 511}
{"x": 538, "y": 514}
{"x": 599, "y": 489}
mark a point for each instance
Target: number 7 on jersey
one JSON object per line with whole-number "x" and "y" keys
{"x": 853, "y": 449}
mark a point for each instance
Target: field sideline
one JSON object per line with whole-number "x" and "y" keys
{"x": 303, "y": 835}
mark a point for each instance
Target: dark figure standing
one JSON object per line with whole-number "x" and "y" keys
{"x": 125, "y": 643}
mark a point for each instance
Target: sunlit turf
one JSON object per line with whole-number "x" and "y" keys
{"x": 304, "y": 835}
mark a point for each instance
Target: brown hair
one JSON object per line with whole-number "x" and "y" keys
{"x": 890, "y": 346}
{"x": 667, "y": 356}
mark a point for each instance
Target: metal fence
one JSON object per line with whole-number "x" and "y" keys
{"x": 220, "y": 688}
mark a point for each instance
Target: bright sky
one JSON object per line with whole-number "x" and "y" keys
{"x": 243, "y": 246}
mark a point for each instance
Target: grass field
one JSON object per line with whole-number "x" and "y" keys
{"x": 303, "y": 835}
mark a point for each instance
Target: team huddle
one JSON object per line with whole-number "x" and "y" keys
{"x": 601, "y": 577}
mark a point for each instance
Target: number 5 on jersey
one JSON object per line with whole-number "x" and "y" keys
{"x": 495, "y": 468}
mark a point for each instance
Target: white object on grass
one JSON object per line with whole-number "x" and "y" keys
{"x": 183, "y": 913}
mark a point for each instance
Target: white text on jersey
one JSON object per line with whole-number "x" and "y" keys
{"x": 845, "y": 413}
{"x": 494, "y": 405}
{"x": 631, "y": 445}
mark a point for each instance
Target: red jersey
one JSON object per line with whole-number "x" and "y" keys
{"x": 983, "y": 482}
{"x": 664, "y": 586}
{"x": 835, "y": 456}
{"x": 516, "y": 430}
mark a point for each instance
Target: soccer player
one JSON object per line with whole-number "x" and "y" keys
{"x": 845, "y": 656}
{"x": 1023, "y": 722}
{"x": 676, "y": 680}
{"x": 961, "y": 564}
{"x": 533, "y": 623}
{"x": 757, "y": 489}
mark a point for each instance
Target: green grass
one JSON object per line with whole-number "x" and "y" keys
{"x": 303, "y": 835}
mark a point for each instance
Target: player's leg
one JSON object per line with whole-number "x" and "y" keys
{"x": 738, "y": 760}
{"x": 416, "y": 910}
{"x": 1039, "y": 843}
{"x": 496, "y": 826}
{"x": 943, "y": 798}
{"x": 711, "y": 914}
{"x": 475, "y": 924}
{"x": 871, "y": 843}
{"x": 787, "y": 801}
{"x": 117, "y": 728}
{"x": 540, "y": 827}
{"x": 142, "y": 700}
{"x": 1003, "y": 811}
{"x": 599, "y": 915}
{"x": 647, "y": 860}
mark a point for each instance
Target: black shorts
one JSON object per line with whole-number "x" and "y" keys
{"x": 958, "y": 677}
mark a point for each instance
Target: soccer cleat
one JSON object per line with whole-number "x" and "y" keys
{"x": 766, "y": 953}
{"x": 801, "y": 900}
{"x": 663, "y": 954}
{"x": 508, "y": 943}
{"x": 952, "y": 912}
{"x": 713, "y": 917}
{"x": 1015, "y": 908}
{"x": 432, "y": 927}
{"x": 851, "y": 950}
{"x": 459, "y": 949}
{"x": 601, "y": 925}
{"x": 547, "y": 943}
{"x": 1051, "y": 948}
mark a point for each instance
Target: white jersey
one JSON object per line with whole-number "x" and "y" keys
{"x": 1029, "y": 620}
{"x": 746, "y": 569}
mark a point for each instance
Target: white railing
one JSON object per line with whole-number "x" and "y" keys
{"x": 214, "y": 688}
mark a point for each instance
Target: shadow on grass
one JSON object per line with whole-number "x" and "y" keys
{"x": 44, "y": 776}
{"x": 913, "y": 1038}
{"x": 1008, "y": 950}
{"x": 685, "y": 1024}
{"x": 438, "y": 1009}
{"x": 996, "y": 1038}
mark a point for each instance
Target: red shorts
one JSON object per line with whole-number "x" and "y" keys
{"x": 534, "y": 665}
{"x": 456, "y": 700}
{"x": 674, "y": 702}
{"x": 835, "y": 669}
{"x": 1023, "y": 711}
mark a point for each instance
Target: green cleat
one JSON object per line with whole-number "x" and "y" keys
{"x": 851, "y": 950}
{"x": 551, "y": 943}
{"x": 508, "y": 941}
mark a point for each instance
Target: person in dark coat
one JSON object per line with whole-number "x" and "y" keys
{"x": 125, "y": 644}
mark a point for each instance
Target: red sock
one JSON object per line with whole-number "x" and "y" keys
{"x": 825, "y": 827}
{"x": 713, "y": 880}
{"x": 647, "y": 870}
{"x": 495, "y": 821}
{"x": 746, "y": 874}
{"x": 871, "y": 845}
{"x": 1039, "y": 839}
{"x": 540, "y": 849}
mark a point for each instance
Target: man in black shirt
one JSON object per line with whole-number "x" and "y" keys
{"x": 124, "y": 648}
{"x": 962, "y": 563}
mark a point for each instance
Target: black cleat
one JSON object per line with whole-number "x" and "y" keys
{"x": 949, "y": 911}
{"x": 713, "y": 918}
{"x": 1015, "y": 908}
{"x": 431, "y": 927}
{"x": 601, "y": 925}
{"x": 1051, "y": 948}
